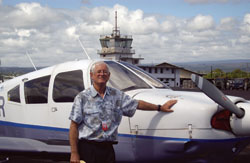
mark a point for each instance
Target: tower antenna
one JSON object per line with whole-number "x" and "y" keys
{"x": 83, "y": 48}
{"x": 116, "y": 21}
{"x": 116, "y": 31}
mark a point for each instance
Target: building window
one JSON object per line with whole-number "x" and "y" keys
{"x": 136, "y": 61}
{"x": 156, "y": 70}
{"x": 36, "y": 90}
{"x": 161, "y": 70}
{"x": 67, "y": 85}
{"x": 14, "y": 94}
{"x": 150, "y": 70}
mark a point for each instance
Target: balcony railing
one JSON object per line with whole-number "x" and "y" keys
{"x": 111, "y": 36}
{"x": 116, "y": 50}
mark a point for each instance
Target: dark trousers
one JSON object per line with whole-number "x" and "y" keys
{"x": 96, "y": 152}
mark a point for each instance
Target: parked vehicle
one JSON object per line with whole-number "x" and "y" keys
{"x": 246, "y": 84}
{"x": 238, "y": 83}
{"x": 220, "y": 83}
{"x": 229, "y": 84}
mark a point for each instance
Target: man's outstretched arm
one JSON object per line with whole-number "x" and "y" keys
{"x": 143, "y": 105}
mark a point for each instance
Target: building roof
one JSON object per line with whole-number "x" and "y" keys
{"x": 165, "y": 64}
{"x": 168, "y": 65}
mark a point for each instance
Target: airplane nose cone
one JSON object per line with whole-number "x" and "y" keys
{"x": 241, "y": 126}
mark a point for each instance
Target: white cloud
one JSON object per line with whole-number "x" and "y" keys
{"x": 246, "y": 24}
{"x": 244, "y": 39}
{"x": 247, "y": 19}
{"x": 14, "y": 43}
{"x": 50, "y": 35}
{"x": 24, "y": 32}
{"x": 227, "y": 24}
{"x": 71, "y": 32}
{"x": 167, "y": 26}
{"x": 31, "y": 15}
{"x": 200, "y": 23}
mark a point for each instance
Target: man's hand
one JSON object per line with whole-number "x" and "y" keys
{"x": 167, "y": 106}
{"x": 74, "y": 158}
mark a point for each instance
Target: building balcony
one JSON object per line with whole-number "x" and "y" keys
{"x": 115, "y": 51}
{"x": 112, "y": 36}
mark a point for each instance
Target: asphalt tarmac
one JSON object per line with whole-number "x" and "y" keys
{"x": 243, "y": 157}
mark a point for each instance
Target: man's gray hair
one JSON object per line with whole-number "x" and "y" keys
{"x": 92, "y": 69}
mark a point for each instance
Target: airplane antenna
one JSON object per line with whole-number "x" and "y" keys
{"x": 83, "y": 48}
{"x": 31, "y": 60}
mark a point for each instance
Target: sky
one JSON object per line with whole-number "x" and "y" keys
{"x": 163, "y": 30}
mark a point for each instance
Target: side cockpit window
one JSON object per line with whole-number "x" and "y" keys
{"x": 14, "y": 94}
{"x": 36, "y": 90}
{"x": 67, "y": 85}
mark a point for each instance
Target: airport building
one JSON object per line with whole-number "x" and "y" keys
{"x": 165, "y": 72}
{"x": 119, "y": 47}
{"x": 170, "y": 74}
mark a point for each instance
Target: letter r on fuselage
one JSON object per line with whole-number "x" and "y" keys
{"x": 2, "y": 113}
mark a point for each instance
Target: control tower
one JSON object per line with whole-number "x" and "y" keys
{"x": 117, "y": 47}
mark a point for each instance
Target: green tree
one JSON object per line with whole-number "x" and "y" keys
{"x": 238, "y": 73}
{"x": 217, "y": 73}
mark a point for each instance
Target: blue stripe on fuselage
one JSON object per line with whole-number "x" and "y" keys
{"x": 183, "y": 139}
{"x": 13, "y": 124}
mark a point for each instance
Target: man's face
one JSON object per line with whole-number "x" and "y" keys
{"x": 101, "y": 74}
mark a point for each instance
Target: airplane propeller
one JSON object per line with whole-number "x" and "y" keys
{"x": 216, "y": 95}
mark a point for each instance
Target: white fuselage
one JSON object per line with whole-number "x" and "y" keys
{"x": 187, "y": 130}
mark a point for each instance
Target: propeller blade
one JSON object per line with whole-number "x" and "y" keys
{"x": 216, "y": 95}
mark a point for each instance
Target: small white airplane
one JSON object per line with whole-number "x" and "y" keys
{"x": 34, "y": 111}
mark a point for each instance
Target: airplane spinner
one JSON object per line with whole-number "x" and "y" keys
{"x": 34, "y": 111}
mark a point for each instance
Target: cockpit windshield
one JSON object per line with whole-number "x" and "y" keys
{"x": 124, "y": 79}
{"x": 146, "y": 76}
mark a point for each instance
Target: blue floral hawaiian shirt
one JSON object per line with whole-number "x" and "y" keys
{"x": 99, "y": 118}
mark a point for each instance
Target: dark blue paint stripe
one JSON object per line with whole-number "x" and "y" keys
{"x": 153, "y": 137}
{"x": 184, "y": 139}
{"x": 122, "y": 135}
{"x": 13, "y": 124}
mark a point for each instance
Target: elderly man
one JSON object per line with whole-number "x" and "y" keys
{"x": 96, "y": 115}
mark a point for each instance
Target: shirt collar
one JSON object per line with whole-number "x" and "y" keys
{"x": 94, "y": 93}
